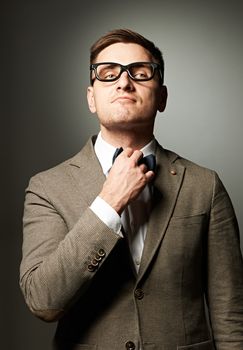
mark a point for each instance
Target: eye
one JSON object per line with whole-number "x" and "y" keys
{"x": 141, "y": 71}
{"x": 109, "y": 75}
{"x": 141, "y": 74}
{"x": 108, "y": 71}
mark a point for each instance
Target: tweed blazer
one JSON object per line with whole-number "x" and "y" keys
{"x": 188, "y": 294}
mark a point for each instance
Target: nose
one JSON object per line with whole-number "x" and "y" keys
{"x": 125, "y": 82}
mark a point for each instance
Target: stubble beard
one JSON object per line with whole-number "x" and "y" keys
{"x": 122, "y": 120}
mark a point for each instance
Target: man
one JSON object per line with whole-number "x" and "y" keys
{"x": 123, "y": 254}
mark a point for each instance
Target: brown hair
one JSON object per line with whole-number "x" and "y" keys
{"x": 126, "y": 36}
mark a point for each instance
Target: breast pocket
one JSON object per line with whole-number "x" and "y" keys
{"x": 184, "y": 221}
{"x": 206, "y": 345}
{"x": 187, "y": 232}
{"x": 185, "y": 240}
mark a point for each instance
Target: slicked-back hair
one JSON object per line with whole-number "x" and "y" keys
{"x": 126, "y": 36}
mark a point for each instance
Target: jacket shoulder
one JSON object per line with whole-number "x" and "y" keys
{"x": 54, "y": 172}
{"x": 61, "y": 171}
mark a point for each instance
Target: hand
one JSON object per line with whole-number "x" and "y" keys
{"x": 126, "y": 180}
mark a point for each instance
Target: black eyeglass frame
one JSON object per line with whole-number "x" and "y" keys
{"x": 124, "y": 68}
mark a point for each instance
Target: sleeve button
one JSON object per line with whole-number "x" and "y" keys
{"x": 94, "y": 262}
{"x": 101, "y": 253}
{"x": 91, "y": 268}
{"x": 98, "y": 257}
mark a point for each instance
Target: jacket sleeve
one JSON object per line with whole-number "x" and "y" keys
{"x": 58, "y": 265}
{"x": 225, "y": 273}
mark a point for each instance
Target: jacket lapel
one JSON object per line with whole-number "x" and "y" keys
{"x": 167, "y": 184}
{"x": 87, "y": 173}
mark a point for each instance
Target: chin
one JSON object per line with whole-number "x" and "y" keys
{"x": 127, "y": 125}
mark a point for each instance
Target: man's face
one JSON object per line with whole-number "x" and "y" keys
{"x": 125, "y": 103}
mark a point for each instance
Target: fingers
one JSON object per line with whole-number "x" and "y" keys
{"x": 128, "y": 151}
{"x": 143, "y": 168}
{"x": 149, "y": 175}
{"x": 136, "y": 155}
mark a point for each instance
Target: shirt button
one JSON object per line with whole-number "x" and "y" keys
{"x": 139, "y": 293}
{"x": 130, "y": 345}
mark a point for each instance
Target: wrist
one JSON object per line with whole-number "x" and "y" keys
{"x": 116, "y": 204}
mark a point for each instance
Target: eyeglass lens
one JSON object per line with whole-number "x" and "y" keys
{"x": 112, "y": 71}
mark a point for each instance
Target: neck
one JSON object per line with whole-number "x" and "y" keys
{"x": 132, "y": 139}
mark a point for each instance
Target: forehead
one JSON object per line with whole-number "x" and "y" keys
{"x": 124, "y": 53}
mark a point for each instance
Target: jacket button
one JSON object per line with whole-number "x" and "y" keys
{"x": 173, "y": 172}
{"x": 130, "y": 345}
{"x": 101, "y": 253}
{"x": 94, "y": 262}
{"x": 91, "y": 268}
{"x": 139, "y": 293}
{"x": 98, "y": 257}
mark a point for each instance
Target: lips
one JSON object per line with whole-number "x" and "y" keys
{"x": 124, "y": 98}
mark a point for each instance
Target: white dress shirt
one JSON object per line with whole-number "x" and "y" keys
{"x": 134, "y": 219}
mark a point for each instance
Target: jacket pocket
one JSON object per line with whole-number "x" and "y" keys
{"x": 205, "y": 345}
{"x": 184, "y": 238}
{"x": 180, "y": 221}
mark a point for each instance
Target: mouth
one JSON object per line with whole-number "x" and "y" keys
{"x": 124, "y": 99}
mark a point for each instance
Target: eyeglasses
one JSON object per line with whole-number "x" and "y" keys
{"x": 110, "y": 71}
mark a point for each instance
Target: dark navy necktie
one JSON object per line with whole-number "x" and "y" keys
{"x": 149, "y": 160}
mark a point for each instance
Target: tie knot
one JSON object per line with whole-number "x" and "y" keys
{"x": 148, "y": 160}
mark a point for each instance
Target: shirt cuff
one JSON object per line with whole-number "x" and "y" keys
{"x": 107, "y": 214}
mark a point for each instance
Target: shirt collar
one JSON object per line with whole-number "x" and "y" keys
{"x": 104, "y": 152}
{"x": 150, "y": 148}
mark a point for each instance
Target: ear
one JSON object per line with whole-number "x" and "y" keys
{"x": 163, "y": 94}
{"x": 91, "y": 99}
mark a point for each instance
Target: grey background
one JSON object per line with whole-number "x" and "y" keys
{"x": 46, "y": 119}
